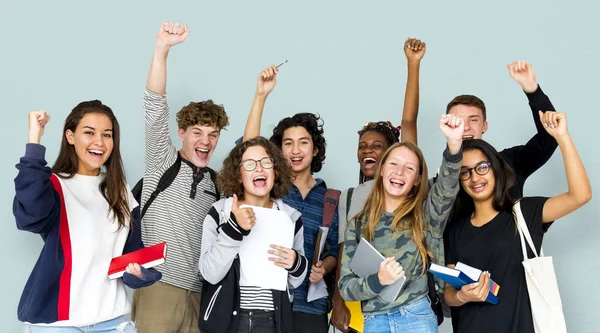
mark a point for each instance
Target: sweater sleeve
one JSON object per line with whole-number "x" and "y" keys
{"x": 158, "y": 142}
{"x": 353, "y": 288}
{"x": 220, "y": 246}
{"x": 297, "y": 273}
{"x": 439, "y": 201}
{"x": 36, "y": 205}
{"x": 528, "y": 158}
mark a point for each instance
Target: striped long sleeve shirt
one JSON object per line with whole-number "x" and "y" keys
{"x": 175, "y": 216}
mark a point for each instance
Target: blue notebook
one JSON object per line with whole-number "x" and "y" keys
{"x": 461, "y": 275}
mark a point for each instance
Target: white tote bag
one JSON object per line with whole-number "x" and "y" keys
{"x": 546, "y": 306}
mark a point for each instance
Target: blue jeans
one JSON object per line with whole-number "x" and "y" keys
{"x": 416, "y": 317}
{"x": 117, "y": 325}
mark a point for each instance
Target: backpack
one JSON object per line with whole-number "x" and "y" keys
{"x": 329, "y": 207}
{"x": 165, "y": 181}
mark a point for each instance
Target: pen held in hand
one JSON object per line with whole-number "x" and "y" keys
{"x": 283, "y": 62}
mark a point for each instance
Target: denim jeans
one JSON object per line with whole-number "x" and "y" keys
{"x": 256, "y": 321}
{"x": 117, "y": 325}
{"x": 416, "y": 317}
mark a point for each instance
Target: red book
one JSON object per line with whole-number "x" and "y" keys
{"x": 147, "y": 257}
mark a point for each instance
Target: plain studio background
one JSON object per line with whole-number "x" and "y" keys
{"x": 346, "y": 63}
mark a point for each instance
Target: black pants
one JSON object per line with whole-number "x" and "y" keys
{"x": 256, "y": 321}
{"x": 310, "y": 323}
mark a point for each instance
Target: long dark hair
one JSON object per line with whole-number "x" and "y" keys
{"x": 504, "y": 175}
{"x": 114, "y": 186}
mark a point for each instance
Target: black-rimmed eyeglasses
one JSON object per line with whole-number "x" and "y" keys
{"x": 482, "y": 168}
{"x": 250, "y": 165}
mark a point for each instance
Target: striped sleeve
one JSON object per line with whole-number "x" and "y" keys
{"x": 218, "y": 248}
{"x": 158, "y": 142}
{"x": 299, "y": 269}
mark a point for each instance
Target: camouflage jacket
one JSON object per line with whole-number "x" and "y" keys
{"x": 399, "y": 244}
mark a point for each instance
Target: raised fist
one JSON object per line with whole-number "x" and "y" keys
{"x": 267, "y": 80}
{"x": 37, "y": 123}
{"x": 170, "y": 34}
{"x": 414, "y": 49}
{"x": 522, "y": 72}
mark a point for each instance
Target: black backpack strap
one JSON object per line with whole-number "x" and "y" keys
{"x": 357, "y": 230}
{"x": 137, "y": 191}
{"x": 348, "y": 202}
{"x": 165, "y": 181}
{"x": 213, "y": 177}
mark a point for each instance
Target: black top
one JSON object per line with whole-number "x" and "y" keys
{"x": 526, "y": 159}
{"x": 496, "y": 247}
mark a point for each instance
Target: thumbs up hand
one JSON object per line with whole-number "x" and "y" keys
{"x": 244, "y": 217}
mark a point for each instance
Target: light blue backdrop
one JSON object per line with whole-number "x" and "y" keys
{"x": 345, "y": 62}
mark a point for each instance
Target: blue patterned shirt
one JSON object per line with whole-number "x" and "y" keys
{"x": 311, "y": 208}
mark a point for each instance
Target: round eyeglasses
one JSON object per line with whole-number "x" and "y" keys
{"x": 482, "y": 168}
{"x": 250, "y": 165}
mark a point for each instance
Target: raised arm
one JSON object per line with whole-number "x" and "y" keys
{"x": 265, "y": 83}
{"x": 36, "y": 205}
{"x": 169, "y": 34}
{"x": 156, "y": 110}
{"x": 579, "y": 189}
{"x": 440, "y": 198}
{"x": 414, "y": 50}
{"x": 528, "y": 158}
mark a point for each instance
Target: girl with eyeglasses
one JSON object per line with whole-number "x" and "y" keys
{"x": 254, "y": 173}
{"x": 483, "y": 233}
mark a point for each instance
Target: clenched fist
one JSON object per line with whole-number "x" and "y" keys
{"x": 170, "y": 34}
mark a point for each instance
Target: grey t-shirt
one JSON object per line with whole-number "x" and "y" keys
{"x": 359, "y": 197}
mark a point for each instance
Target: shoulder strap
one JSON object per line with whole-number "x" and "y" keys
{"x": 329, "y": 206}
{"x": 357, "y": 230}
{"x": 348, "y": 202}
{"x": 524, "y": 232}
{"x": 137, "y": 191}
{"x": 213, "y": 177}
{"x": 165, "y": 181}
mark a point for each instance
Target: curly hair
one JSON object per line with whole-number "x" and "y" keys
{"x": 390, "y": 133}
{"x": 229, "y": 178}
{"x": 313, "y": 124}
{"x": 205, "y": 113}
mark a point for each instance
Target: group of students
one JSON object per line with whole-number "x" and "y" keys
{"x": 86, "y": 214}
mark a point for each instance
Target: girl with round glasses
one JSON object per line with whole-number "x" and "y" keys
{"x": 254, "y": 173}
{"x": 483, "y": 233}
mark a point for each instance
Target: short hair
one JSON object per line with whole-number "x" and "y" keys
{"x": 205, "y": 113}
{"x": 469, "y": 100}
{"x": 229, "y": 178}
{"x": 313, "y": 124}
